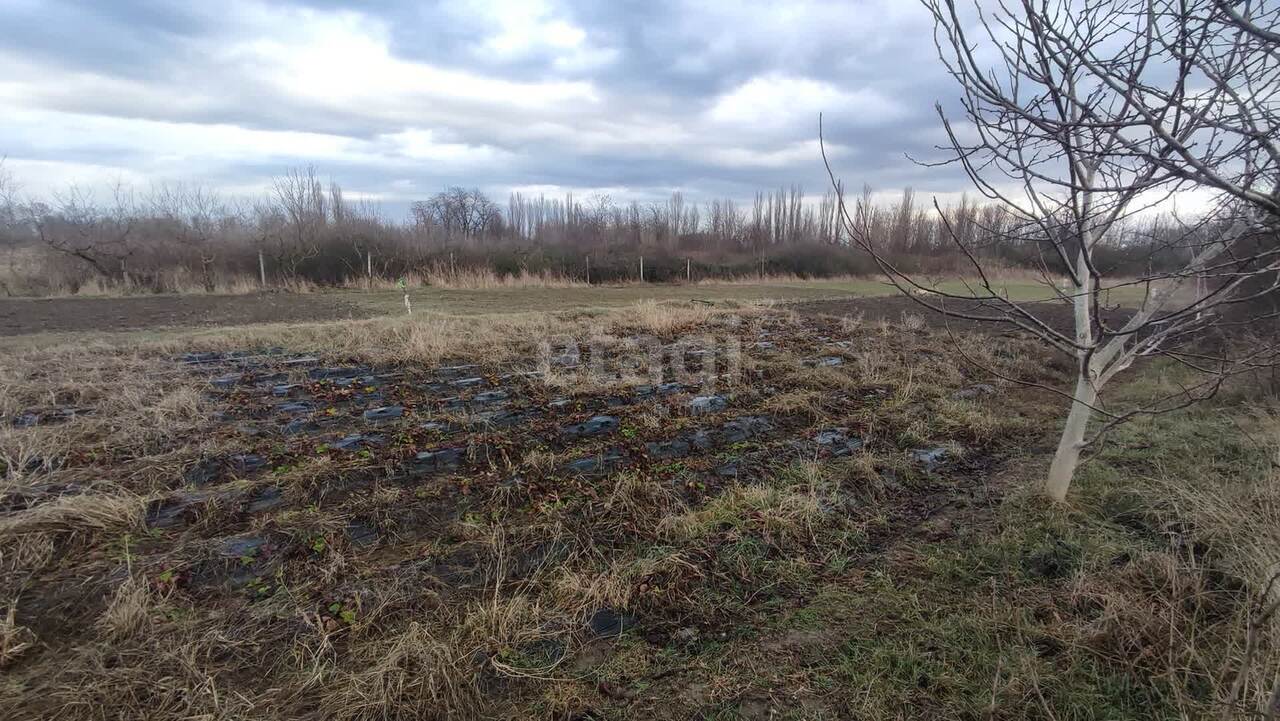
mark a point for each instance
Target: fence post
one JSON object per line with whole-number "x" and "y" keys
{"x": 262, "y": 269}
{"x": 588, "y": 269}
{"x": 368, "y": 257}
{"x": 688, "y": 270}
{"x": 642, "y": 269}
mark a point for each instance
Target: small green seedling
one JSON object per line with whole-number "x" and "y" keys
{"x": 346, "y": 615}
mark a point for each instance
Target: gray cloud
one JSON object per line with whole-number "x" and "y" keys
{"x": 396, "y": 99}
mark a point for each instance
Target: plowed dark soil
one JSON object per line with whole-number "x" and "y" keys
{"x": 68, "y": 315}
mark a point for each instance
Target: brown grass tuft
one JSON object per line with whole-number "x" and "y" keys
{"x": 771, "y": 511}
{"x": 665, "y": 319}
{"x": 14, "y": 638}
{"x": 432, "y": 669}
{"x": 94, "y": 512}
{"x": 128, "y": 612}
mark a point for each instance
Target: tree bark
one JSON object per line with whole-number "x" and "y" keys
{"x": 1086, "y": 393}
{"x": 1072, "y": 441}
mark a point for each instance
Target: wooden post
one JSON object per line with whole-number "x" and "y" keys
{"x": 688, "y": 270}
{"x": 642, "y": 269}
{"x": 588, "y": 269}
{"x": 262, "y": 269}
{"x": 368, "y": 257}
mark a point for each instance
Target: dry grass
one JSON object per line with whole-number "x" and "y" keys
{"x": 433, "y": 670}
{"x": 624, "y": 583}
{"x": 43, "y": 374}
{"x": 99, "y": 512}
{"x": 14, "y": 638}
{"x": 184, "y": 282}
{"x": 652, "y": 317}
{"x": 441, "y": 275}
{"x": 475, "y": 601}
{"x": 28, "y": 552}
{"x": 767, "y": 510}
{"x": 913, "y": 322}
{"x": 1242, "y": 516}
{"x": 1240, "y": 520}
{"x": 779, "y": 278}
{"x": 413, "y": 674}
{"x": 174, "y": 280}
{"x": 128, "y": 612}
{"x": 852, "y": 323}
{"x": 801, "y": 402}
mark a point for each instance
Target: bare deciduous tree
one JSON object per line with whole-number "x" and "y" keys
{"x": 1095, "y": 112}
{"x": 10, "y": 225}
{"x": 8, "y": 197}
{"x": 100, "y": 236}
{"x": 191, "y": 215}
{"x": 466, "y": 212}
{"x": 303, "y": 207}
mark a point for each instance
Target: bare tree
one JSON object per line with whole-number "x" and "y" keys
{"x": 10, "y": 225}
{"x": 100, "y": 236}
{"x": 192, "y": 215}
{"x": 8, "y": 197}
{"x": 9, "y": 208}
{"x": 1094, "y": 112}
{"x": 303, "y": 206}
{"x": 467, "y": 213}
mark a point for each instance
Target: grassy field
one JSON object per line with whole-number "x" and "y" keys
{"x": 507, "y": 300}
{"x": 854, "y": 533}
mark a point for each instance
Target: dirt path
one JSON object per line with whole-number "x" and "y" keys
{"x": 63, "y": 315}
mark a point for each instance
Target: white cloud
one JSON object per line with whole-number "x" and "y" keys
{"x": 420, "y": 144}
{"x": 525, "y": 26}
{"x": 805, "y": 152}
{"x": 173, "y": 151}
{"x": 525, "y": 29}
{"x": 779, "y": 101}
{"x": 343, "y": 60}
{"x": 43, "y": 130}
{"x": 41, "y": 179}
{"x": 402, "y": 99}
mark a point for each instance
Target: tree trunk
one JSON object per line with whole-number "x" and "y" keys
{"x": 1069, "y": 447}
{"x": 206, "y": 274}
{"x": 1086, "y": 393}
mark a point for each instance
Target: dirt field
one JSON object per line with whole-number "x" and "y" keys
{"x": 452, "y": 518}
{"x": 72, "y": 315}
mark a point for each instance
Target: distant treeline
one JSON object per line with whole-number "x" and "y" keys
{"x": 305, "y": 231}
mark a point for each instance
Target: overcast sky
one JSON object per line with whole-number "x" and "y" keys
{"x": 398, "y": 99}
